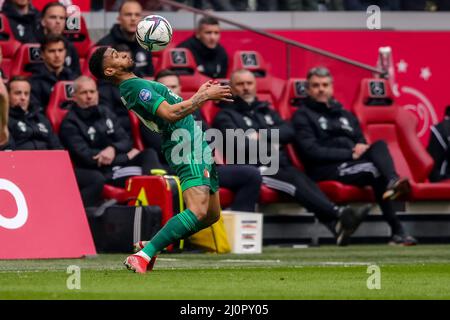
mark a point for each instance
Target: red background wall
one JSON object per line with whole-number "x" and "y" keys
{"x": 425, "y": 97}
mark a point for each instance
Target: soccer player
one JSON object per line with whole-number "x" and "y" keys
{"x": 163, "y": 111}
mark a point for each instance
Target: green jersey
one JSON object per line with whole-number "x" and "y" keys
{"x": 143, "y": 97}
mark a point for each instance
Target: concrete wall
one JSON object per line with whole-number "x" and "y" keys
{"x": 98, "y": 22}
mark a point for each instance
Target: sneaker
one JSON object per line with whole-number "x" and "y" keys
{"x": 360, "y": 215}
{"x": 136, "y": 263}
{"x": 397, "y": 188}
{"x": 348, "y": 223}
{"x": 343, "y": 227}
{"x": 403, "y": 240}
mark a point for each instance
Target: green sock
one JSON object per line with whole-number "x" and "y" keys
{"x": 178, "y": 227}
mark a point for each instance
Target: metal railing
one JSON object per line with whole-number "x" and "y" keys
{"x": 289, "y": 42}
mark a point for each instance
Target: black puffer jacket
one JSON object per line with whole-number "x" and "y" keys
{"x": 31, "y": 131}
{"x": 439, "y": 149}
{"x": 23, "y": 26}
{"x": 86, "y": 132}
{"x": 257, "y": 115}
{"x": 142, "y": 57}
{"x": 325, "y": 136}
{"x": 109, "y": 96}
{"x": 42, "y": 82}
{"x": 211, "y": 62}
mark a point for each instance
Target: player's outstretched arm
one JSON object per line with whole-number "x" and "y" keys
{"x": 208, "y": 91}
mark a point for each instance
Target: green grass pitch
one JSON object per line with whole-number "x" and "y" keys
{"x": 326, "y": 272}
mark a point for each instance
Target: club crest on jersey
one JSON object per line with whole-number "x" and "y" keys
{"x": 145, "y": 95}
{"x": 206, "y": 173}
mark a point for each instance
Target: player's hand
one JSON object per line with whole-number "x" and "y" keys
{"x": 219, "y": 92}
{"x": 206, "y": 85}
{"x": 132, "y": 153}
{"x": 359, "y": 149}
{"x": 105, "y": 157}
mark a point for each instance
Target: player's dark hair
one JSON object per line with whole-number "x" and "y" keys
{"x": 127, "y": 1}
{"x": 51, "y": 5}
{"x": 121, "y": 47}
{"x": 165, "y": 73}
{"x": 208, "y": 21}
{"x": 15, "y": 79}
{"x": 96, "y": 63}
{"x": 52, "y": 38}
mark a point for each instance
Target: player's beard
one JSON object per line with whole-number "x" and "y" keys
{"x": 130, "y": 67}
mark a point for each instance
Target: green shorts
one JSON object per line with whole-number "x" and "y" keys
{"x": 195, "y": 173}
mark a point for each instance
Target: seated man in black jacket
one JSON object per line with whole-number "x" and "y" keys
{"x": 211, "y": 57}
{"x": 247, "y": 112}
{"x": 45, "y": 75}
{"x": 332, "y": 146}
{"x": 23, "y": 19}
{"x": 53, "y": 21}
{"x": 100, "y": 149}
{"x": 124, "y": 32}
{"x": 29, "y": 129}
{"x": 438, "y": 148}
{"x": 244, "y": 181}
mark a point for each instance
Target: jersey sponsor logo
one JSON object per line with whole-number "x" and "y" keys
{"x": 145, "y": 95}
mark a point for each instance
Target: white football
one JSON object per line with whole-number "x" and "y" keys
{"x": 154, "y": 33}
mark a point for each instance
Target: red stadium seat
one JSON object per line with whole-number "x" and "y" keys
{"x": 382, "y": 118}
{"x": 8, "y": 44}
{"x": 62, "y": 92}
{"x": 112, "y": 192}
{"x": 269, "y": 88}
{"x": 181, "y": 61}
{"x": 79, "y": 36}
{"x": 135, "y": 131}
{"x": 226, "y": 197}
{"x": 27, "y": 56}
{"x": 293, "y": 93}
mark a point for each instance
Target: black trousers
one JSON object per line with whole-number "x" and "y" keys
{"x": 245, "y": 181}
{"x": 305, "y": 191}
{"x": 375, "y": 168}
{"x": 91, "y": 181}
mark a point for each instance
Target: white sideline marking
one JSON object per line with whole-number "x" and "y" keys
{"x": 340, "y": 263}
{"x": 258, "y": 261}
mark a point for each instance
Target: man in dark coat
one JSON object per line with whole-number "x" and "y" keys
{"x": 23, "y": 19}
{"x": 29, "y": 129}
{"x": 210, "y": 56}
{"x": 332, "y": 146}
{"x": 45, "y": 75}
